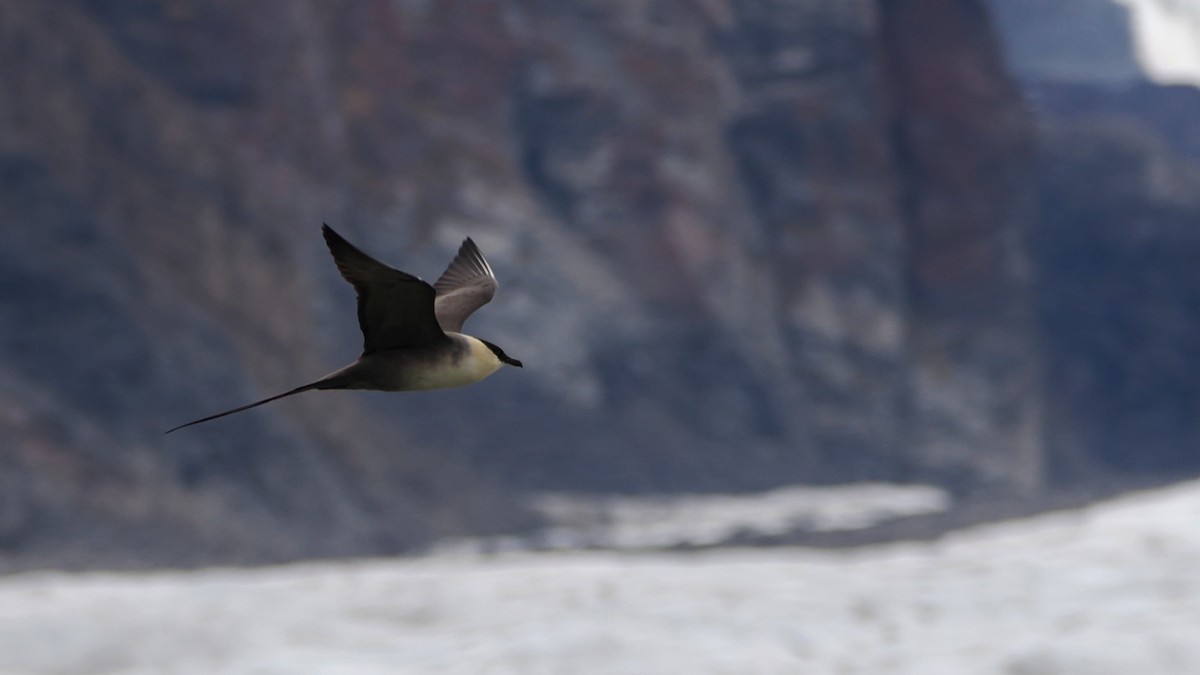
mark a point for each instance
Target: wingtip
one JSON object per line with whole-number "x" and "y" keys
{"x": 470, "y": 250}
{"x": 331, "y": 237}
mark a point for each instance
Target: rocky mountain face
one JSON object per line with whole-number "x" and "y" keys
{"x": 1116, "y": 237}
{"x": 963, "y": 141}
{"x": 741, "y": 243}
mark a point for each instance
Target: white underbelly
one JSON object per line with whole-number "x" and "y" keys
{"x": 440, "y": 378}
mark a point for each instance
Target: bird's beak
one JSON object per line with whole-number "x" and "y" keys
{"x": 512, "y": 362}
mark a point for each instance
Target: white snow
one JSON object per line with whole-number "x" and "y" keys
{"x": 1167, "y": 39}
{"x": 662, "y": 521}
{"x": 1111, "y": 589}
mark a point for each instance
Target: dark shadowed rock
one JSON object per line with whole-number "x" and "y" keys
{"x": 964, "y": 143}
{"x": 197, "y": 49}
{"x": 1118, "y": 296}
{"x": 1117, "y": 215}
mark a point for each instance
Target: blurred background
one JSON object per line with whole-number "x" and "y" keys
{"x": 742, "y": 245}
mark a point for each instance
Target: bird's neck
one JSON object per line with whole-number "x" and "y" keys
{"x": 480, "y": 360}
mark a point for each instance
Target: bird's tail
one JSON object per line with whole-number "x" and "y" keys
{"x": 323, "y": 383}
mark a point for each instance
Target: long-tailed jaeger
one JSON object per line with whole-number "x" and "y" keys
{"x": 411, "y": 330}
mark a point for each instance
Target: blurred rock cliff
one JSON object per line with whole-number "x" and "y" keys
{"x": 741, "y": 243}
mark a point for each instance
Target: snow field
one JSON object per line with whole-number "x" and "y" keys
{"x": 1111, "y": 589}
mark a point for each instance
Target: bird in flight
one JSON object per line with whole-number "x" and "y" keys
{"x": 412, "y": 335}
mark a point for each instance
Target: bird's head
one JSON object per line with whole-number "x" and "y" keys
{"x": 504, "y": 358}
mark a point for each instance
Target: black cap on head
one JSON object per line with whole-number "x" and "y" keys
{"x": 504, "y": 358}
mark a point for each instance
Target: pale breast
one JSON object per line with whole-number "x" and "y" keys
{"x": 452, "y": 363}
{"x": 461, "y": 361}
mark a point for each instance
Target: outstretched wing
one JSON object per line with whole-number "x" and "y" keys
{"x": 466, "y": 285}
{"x": 395, "y": 309}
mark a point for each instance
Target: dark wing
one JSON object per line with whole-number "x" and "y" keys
{"x": 465, "y": 286}
{"x": 395, "y": 309}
